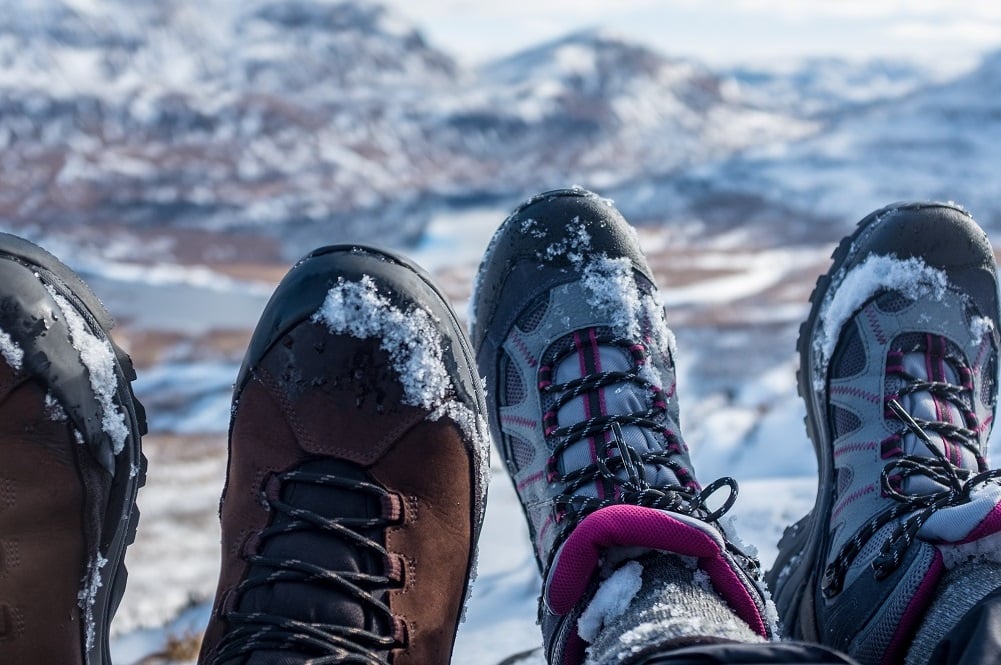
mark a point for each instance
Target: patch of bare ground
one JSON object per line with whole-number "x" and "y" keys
{"x": 149, "y": 347}
{"x": 268, "y": 273}
{"x": 182, "y": 648}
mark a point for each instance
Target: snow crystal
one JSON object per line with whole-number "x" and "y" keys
{"x": 980, "y": 326}
{"x": 99, "y": 359}
{"x": 610, "y": 600}
{"x": 532, "y": 228}
{"x": 410, "y": 338}
{"x": 588, "y": 193}
{"x": 701, "y": 579}
{"x": 87, "y": 597}
{"x": 574, "y": 244}
{"x": 912, "y": 277}
{"x": 10, "y": 350}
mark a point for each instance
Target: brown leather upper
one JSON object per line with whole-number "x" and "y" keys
{"x": 42, "y": 544}
{"x": 315, "y": 395}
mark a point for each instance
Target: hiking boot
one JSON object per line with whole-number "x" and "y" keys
{"x": 357, "y": 472}
{"x": 898, "y": 367}
{"x": 70, "y": 463}
{"x": 580, "y": 373}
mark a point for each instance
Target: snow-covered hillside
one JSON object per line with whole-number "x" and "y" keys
{"x": 292, "y": 119}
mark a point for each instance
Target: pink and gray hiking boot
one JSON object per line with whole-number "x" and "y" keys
{"x": 899, "y": 373}
{"x": 583, "y": 407}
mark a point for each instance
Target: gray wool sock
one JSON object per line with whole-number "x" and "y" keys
{"x": 958, "y": 591}
{"x": 674, "y": 604}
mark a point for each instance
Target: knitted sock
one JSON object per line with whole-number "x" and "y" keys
{"x": 958, "y": 591}
{"x": 653, "y": 604}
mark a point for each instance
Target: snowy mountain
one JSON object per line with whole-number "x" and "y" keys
{"x": 596, "y": 108}
{"x": 937, "y": 142}
{"x": 818, "y": 86}
{"x": 288, "y": 120}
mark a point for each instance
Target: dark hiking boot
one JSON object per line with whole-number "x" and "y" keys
{"x": 898, "y": 368}
{"x": 70, "y": 463}
{"x": 357, "y": 472}
{"x": 581, "y": 389}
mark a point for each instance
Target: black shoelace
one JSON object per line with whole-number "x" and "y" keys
{"x": 958, "y": 483}
{"x": 616, "y": 455}
{"x": 251, "y": 632}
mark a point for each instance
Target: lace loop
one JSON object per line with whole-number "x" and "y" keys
{"x": 913, "y": 509}
{"x": 328, "y": 642}
{"x": 700, "y": 502}
{"x": 617, "y": 462}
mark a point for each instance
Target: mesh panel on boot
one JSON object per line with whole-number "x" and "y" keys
{"x": 514, "y": 384}
{"x": 849, "y": 357}
{"x": 522, "y": 453}
{"x": 844, "y": 421}
{"x": 533, "y": 315}
{"x": 893, "y": 302}
{"x": 988, "y": 391}
{"x": 873, "y": 641}
{"x": 845, "y": 476}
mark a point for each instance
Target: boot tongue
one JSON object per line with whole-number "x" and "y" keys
{"x": 924, "y": 405}
{"x": 590, "y": 357}
{"x": 320, "y": 601}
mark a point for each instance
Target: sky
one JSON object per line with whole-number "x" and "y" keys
{"x": 949, "y": 34}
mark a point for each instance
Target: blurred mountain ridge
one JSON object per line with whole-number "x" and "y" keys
{"x": 283, "y": 121}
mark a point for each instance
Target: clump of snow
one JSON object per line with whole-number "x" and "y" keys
{"x": 87, "y": 596}
{"x": 848, "y": 291}
{"x": 54, "y": 409}
{"x": 610, "y": 600}
{"x": 410, "y": 338}
{"x": 613, "y": 292}
{"x": 729, "y": 525}
{"x": 771, "y": 613}
{"x": 99, "y": 359}
{"x": 980, "y": 326}
{"x": 10, "y": 350}
{"x": 986, "y": 549}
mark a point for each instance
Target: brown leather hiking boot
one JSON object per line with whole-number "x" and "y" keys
{"x": 70, "y": 463}
{"x": 357, "y": 472}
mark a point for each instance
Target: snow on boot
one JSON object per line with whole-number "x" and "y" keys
{"x": 70, "y": 463}
{"x": 357, "y": 472}
{"x": 580, "y": 373}
{"x": 899, "y": 373}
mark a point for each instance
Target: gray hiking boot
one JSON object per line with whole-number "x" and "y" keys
{"x": 898, "y": 370}
{"x": 579, "y": 363}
